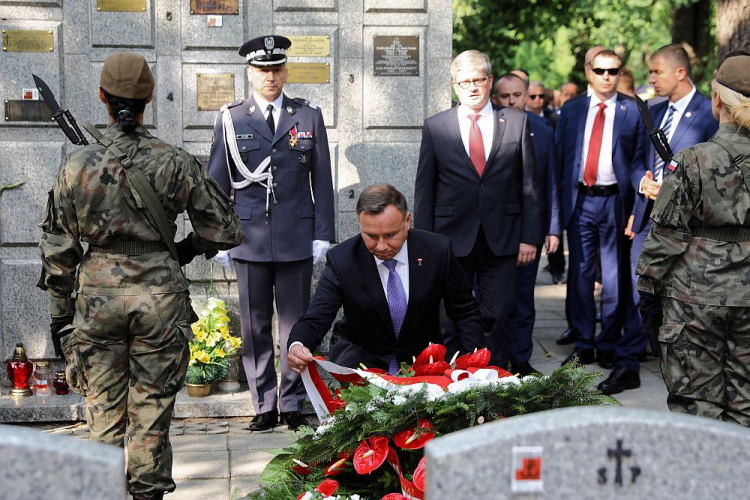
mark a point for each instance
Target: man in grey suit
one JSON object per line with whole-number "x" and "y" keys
{"x": 476, "y": 185}
{"x": 272, "y": 153}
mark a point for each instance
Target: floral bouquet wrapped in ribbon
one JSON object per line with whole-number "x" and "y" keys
{"x": 212, "y": 343}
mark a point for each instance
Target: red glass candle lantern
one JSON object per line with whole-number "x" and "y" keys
{"x": 19, "y": 372}
{"x": 60, "y": 384}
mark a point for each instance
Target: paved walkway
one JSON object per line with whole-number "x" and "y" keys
{"x": 219, "y": 459}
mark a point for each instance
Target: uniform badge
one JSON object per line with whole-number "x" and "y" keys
{"x": 293, "y": 139}
{"x": 305, "y": 135}
{"x": 251, "y": 110}
{"x": 290, "y": 110}
{"x": 672, "y": 166}
{"x": 268, "y": 43}
{"x": 303, "y": 159}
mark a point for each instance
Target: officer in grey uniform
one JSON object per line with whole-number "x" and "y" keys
{"x": 271, "y": 152}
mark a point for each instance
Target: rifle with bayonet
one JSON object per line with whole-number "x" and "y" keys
{"x": 657, "y": 136}
{"x": 63, "y": 117}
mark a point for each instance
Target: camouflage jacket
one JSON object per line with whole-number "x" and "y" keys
{"x": 703, "y": 192}
{"x": 92, "y": 202}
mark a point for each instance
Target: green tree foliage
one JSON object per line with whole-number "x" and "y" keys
{"x": 548, "y": 38}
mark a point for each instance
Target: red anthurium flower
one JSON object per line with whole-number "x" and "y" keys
{"x": 369, "y": 457}
{"x": 394, "y": 496}
{"x": 327, "y": 487}
{"x": 338, "y": 402}
{"x": 431, "y": 354}
{"x": 478, "y": 359}
{"x": 301, "y": 468}
{"x": 414, "y": 439}
{"x": 337, "y": 466}
{"x": 431, "y": 369}
{"x": 419, "y": 474}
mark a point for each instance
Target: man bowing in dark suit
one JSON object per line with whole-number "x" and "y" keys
{"x": 476, "y": 185}
{"x": 599, "y": 143}
{"x": 390, "y": 280}
{"x": 686, "y": 119}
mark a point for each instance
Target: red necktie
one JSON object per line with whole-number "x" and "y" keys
{"x": 476, "y": 145}
{"x": 595, "y": 146}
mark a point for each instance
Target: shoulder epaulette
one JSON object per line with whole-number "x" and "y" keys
{"x": 235, "y": 103}
{"x": 304, "y": 102}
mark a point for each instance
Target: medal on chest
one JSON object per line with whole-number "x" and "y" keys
{"x": 293, "y": 139}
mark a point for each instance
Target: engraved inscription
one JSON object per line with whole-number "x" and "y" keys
{"x": 308, "y": 73}
{"x": 618, "y": 454}
{"x": 28, "y": 41}
{"x": 214, "y": 90}
{"x": 396, "y": 56}
{"x": 215, "y": 7}
{"x": 121, "y": 5}
{"x": 309, "y": 46}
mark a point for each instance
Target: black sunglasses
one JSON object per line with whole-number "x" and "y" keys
{"x": 536, "y": 96}
{"x": 611, "y": 71}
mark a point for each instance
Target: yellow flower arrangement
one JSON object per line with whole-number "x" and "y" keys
{"x": 211, "y": 345}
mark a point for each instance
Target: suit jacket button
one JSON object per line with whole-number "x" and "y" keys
{"x": 273, "y": 150}
{"x": 244, "y": 148}
{"x": 275, "y": 184}
{"x": 275, "y": 168}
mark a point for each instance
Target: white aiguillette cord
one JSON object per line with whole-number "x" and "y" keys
{"x": 262, "y": 174}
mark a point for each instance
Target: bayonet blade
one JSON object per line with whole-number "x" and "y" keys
{"x": 645, "y": 115}
{"x": 47, "y": 95}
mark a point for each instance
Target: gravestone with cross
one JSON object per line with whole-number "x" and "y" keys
{"x": 591, "y": 453}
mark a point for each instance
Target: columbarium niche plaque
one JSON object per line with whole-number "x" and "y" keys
{"x": 27, "y": 111}
{"x": 214, "y": 90}
{"x": 309, "y": 46}
{"x": 28, "y": 41}
{"x": 215, "y": 7}
{"x": 121, "y": 5}
{"x": 396, "y": 56}
{"x": 308, "y": 72}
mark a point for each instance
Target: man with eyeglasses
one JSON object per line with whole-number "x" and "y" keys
{"x": 475, "y": 184}
{"x": 600, "y": 142}
{"x": 535, "y": 104}
{"x": 510, "y": 91}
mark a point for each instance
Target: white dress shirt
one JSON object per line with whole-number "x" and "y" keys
{"x": 486, "y": 124}
{"x": 606, "y": 172}
{"x": 263, "y": 105}
{"x": 402, "y": 268}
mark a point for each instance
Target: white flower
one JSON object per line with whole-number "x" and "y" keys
{"x": 307, "y": 496}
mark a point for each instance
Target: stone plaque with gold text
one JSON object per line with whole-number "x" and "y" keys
{"x": 309, "y": 72}
{"x": 121, "y": 5}
{"x": 214, "y": 90}
{"x": 28, "y": 41}
{"x": 27, "y": 111}
{"x": 309, "y": 46}
{"x": 215, "y": 7}
{"x": 396, "y": 56}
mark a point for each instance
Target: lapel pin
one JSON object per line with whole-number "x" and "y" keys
{"x": 290, "y": 110}
{"x": 419, "y": 262}
{"x": 622, "y": 107}
{"x": 251, "y": 110}
{"x": 501, "y": 120}
{"x": 532, "y": 134}
{"x": 687, "y": 115}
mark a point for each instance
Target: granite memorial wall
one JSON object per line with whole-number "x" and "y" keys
{"x": 377, "y": 68}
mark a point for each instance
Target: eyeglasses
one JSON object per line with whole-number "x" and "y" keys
{"x": 478, "y": 82}
{"x": 536, "y": 96}
{"x": 611, "y": 71}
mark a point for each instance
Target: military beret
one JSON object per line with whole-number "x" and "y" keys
{"x": 734, "y": 73}
{"x": 266, "y": 50}
{"x": 127, "y": 75}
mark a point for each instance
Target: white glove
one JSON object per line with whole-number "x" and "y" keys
{"x": 320, "y": 247}
{"x": 223, "y": 258}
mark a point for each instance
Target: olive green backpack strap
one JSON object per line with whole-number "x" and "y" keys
{"x": 738, "y": 160}
{"x": 142, "y": 191}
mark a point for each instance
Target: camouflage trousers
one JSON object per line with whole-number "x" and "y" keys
{"x": 128, "y": 356}
{"x": 705, "y": 360}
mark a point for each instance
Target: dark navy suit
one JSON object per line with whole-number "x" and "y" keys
{"x": 547, "y": 184}
{"x": 598, "y": 222}
{"x": 697, "y": 124}
{"x": 275, "y": 258}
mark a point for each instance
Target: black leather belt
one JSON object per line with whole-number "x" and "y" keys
{"x": 598, "y": 190}
{"x": 131, "y": 247}
{"x": 730, "y": 234}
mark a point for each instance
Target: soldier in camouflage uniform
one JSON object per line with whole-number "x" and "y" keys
{"x": 697, "y": 257}
{"x": 127, "y": 352}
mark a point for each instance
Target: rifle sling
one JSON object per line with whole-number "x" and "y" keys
{"x": 139, "y": 182}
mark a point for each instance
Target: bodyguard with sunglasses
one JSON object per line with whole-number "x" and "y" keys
{"x": 600, "y": 141}
{"x": 476, "y": 185}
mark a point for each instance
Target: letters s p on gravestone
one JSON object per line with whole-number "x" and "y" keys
{"x": 594, "y": 453}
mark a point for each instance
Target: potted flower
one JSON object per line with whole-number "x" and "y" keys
{"x": 209, "y": 348}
